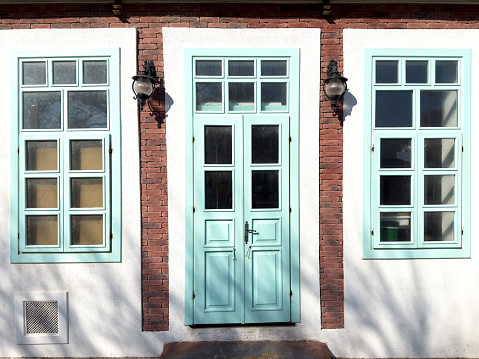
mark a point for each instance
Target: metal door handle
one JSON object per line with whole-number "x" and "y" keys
{"x": 246, "y": 231}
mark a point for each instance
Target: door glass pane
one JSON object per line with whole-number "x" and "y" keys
{"x": 439, "y": 226}
{"x": 41, "y": 110}
{"x": 395, "y": 190}
{"x": 87, "y": 109}
{"x": 241, "y": 68}
{"x": 64, "y": 72}
{"x": 209, "y": 96}
{"x": 41, "y": 155}
{"x": 265, "y": 189}
{"x": 439, "y": 153}
{"x": 95, "y": 72}
{"x": 439, "y": 189}
{"x": 218, "y": 190}
{"x": 395, "y": 227}
{"x": 438, "y": 108}
{"x": 273, "y": 96}
{"x": 393, "y": 109}
{"x": 241, "y": 96}
{"x": 386, "y": 72}
{"x": 396, "y": 153}
{"x": 86, "y": 155}
{"x": 87, "y": 230}
{"x": 34, "y": 73}
{"x": 265, "y": 144}
{"x": 416, "y": 72}
{"x": 218, "y": 144}
{"x": 42, "y": 192}
{"x": 209, "y": 68}
{"x": 274, "y": 68}
{"x": 42, "y": 230}
{"x": 86, "y": 192}
{"x": 446, "y": 72}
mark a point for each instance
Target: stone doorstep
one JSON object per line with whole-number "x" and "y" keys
{"x": 246, "y": 350}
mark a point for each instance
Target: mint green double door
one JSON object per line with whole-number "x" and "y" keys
{"x": 242, "y": 265}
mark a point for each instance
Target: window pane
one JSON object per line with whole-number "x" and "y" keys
{"x": 42, "y": 230}
{"x": 86, "y": 192}
{"x": 265, "y": 189}
{"x": 439, "y": 190}
{"x": 218, "y": 190}
{"x": 208, "y": 68}
{"x": 393, "y": 109}
{"x": 439, "y": 226}
{"x": 439, "y": 153}
{"x": 386, "y": 72}
{"x": 416, "y": 72}
{"x": 446, "y": 72}
{"x": 34, "y": 73}
{"x": 396, "y": 153}
{"x": 86, "y": 155}
{"x": 265, "y": 144}
{"x": 64, "y": 72}
{"x": 87, "y": 230}
{"x": 395, "y": 190}
{"x": 273, "y": 96}
{"x": 241, "y": 68}
{"x": 87, "y": 109}
{"x": 241, "y": 96}
{"x": 438, "y": 108}
{"x": 209, "y": 96}
{"x": 42, "y": 193}
{"x": 95, "y": 72}
{"x": 41, "y": 110}
{"x": 395, "y": 227}
{"x": 218, "y": 145}
{"x": 274, "y": 68}
{"x": 41, "y": 155}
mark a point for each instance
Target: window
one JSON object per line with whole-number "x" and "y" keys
{"x": 417, "y": 155}
{"x": 65, "y": 200}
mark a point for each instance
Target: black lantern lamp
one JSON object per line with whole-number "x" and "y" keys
{"x": 144, "y": 83}
{"x": 335, "y": 86}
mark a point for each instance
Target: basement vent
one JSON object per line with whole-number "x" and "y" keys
{"x": 41, "y": 317}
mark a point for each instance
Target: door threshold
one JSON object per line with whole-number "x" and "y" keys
{"x": 283, "y": 324}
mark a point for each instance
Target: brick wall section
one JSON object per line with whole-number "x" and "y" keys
{"x": 149, "y": 19}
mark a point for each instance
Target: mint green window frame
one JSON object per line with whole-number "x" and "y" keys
{"x": 459, "y": 208}
{"x": 106, "y": 211}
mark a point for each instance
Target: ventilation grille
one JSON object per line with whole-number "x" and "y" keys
{"x": 41, "y": 317}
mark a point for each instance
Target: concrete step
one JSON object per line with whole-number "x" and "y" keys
{"x": 246, "y": 350}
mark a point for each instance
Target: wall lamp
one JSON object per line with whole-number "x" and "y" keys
{"x": 144, "y": 84}
{"x": 335, "y": 85}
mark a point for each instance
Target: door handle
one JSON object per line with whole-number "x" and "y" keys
{"x": 246, "y": 231}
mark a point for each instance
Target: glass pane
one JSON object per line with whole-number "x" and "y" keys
{"x": 218, "y": 190}
{"x": 87, "y": 230}
{"x": 439, "y": 226}
{"x": 218, "y": 145}
{"x": 386, "y": 72}
{"x": 439, "y": 190}
{"x": 265, "y": 189}
{"x": 395, "y": 190}
{"x": 86, "y": 192}
{"x": 64, "y": 72}
{"x": 416, "y": 72}
{"x": 395, "y": 227}
{"x": 439, "y": 153}
{"x": 87, "y": 109}
{"x": 438, "y": 108}
{"x": 41, "y": 110}
{"x": 241, "y": 68}
{"x": 274, "y": 68}
{"x": 273, "y": 96}
{"x": 34, "y": 73}
{"x": 42, "y": 230}
{"x": 208, "y": 68}
{"x": 42, "y": 192}
{"x": 209, "y": 96}
{"x": 41, "y": 155}
{"x": 265, "y": 144}
{"x": 95, "y": 72}
{"x": 241, "y": 96}
{"x": 86, "y": 155}
{"x": 396, "y": 153}
{"x": 393, "y": 109}
{"x": 446, "y": 72}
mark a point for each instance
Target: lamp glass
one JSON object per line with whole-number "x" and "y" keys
{"x": 334, "y": 87}
{"x": 143, "y": 86}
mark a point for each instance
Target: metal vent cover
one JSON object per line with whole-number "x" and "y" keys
{"x": 41, "y": 317}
